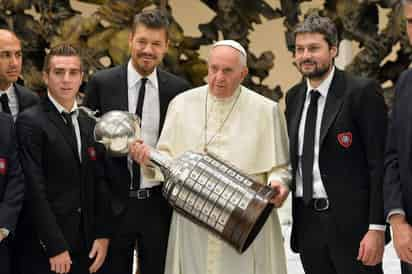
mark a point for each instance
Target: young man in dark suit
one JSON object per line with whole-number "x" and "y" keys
{"x": 398, "y": 163}
{"x": 13, "y": 97}
{"x": 11, "y": 188}
{"x": 66, "y": 227}
{"x": 337, "y": 127}
{"x": 140, "y": 87}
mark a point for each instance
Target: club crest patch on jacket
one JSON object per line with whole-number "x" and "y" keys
{"x": 345, "y": 139}
{"x": 3, "y": 166}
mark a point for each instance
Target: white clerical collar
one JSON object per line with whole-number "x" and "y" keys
{"x": 323, "y": 88}
{"x": 59, "y": 107}
{"x": 133, "y": 77}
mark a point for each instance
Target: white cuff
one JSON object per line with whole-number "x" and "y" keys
{"x": 377, "y": 227}
{"x": 394, "y": 212}
{"x": 4, "y": 231}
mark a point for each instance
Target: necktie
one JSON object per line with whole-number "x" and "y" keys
{"x": 139, "y": 111}
{"x": 69, "y": 123}
{"x": 5, "y": 103}
{"x": 140, "y": 100}
{"x": 309, "y": 147}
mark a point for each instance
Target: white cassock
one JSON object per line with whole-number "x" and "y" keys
{"x": 254, "y": 139}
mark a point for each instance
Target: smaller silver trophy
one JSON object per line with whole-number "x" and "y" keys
{"x": 115, "y": 130}
{"x": 207, "y": 190}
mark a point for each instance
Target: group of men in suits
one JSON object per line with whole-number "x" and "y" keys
{"x": 73, "y": 192}
{"x": 345, "y": 186}
{"x": 56, "y": 166}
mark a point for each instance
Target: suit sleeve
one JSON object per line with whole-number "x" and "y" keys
{"x": 372, "y": 125}
{"x": 32, "y": 158}
{"x": 12, "y": 200}
{"x": 392, "y": 185}
{"x": 104, "y": 216}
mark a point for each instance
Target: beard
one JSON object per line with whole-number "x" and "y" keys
{"x": 319, "y": 72}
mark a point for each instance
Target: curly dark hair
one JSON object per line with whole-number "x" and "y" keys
{"x": 315, "y": 23}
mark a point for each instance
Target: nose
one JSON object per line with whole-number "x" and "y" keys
{"x": 14, "y": 60}
{"x": 306, "y": 53}
{"x": 148, "y": 48}
{"x": 219, "y": 75}
{"x": 66, "y": 77}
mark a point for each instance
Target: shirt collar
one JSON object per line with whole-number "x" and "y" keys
{"x": 323, "y": 88}
{"x": 133, "y": 77}
{"x": 9, "y": 91}
{"x": 60, "y": 108}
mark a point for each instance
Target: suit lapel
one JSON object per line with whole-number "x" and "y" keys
{"x": 55, "y": 117}
{"x": 164, "y": 97}
{"x": 296, "y": 110}
{"x": 333, "y": 103}
{"x": 20, "y": 98}
{"x": 123, "y": 97}
{"x": 84, "y": 135}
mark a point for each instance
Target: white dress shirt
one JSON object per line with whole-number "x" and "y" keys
{"x": 318, "y": 187}
{"x": 150, "y": 114}
{"x": 75, "y": 122}
{"x": 13, "y": 102}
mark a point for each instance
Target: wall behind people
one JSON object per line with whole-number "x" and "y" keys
{"x": 270, "y": 35}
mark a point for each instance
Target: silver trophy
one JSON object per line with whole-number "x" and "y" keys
{"x": 115, "y": 130}
{"x": 205, "y": 189}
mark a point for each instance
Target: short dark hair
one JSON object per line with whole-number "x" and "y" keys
{"x": 404, "y": 2}
{"x": 152, "y": 19}
{"x": 315, "y": 23}
{"x": 61, "y": 50}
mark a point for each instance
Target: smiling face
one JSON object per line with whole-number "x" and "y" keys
{"x": 10, "y": 59}
{"x": 225, "y": 71}
{"x": 147, "y": 47}
{"x": 314, "y": 56}
{"x": 63, "y": 79}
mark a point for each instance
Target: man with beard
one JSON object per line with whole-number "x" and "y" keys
{"x": 13, "y": 97}
{"x": 337, "y": 127}
{"x": 141, "y": 213}
{"x": 398, "y": 162}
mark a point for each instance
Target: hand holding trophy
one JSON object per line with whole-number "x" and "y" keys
{"x": 203, "y": 188}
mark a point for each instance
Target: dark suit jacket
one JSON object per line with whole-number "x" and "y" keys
{"x": 352, "y": 175}
{"x": 25, "y": 97}
{"x": 107, "y": 91}
{"x": 63, "y": 193}
{"x": 398, "y": 156}
{"x": 11, "y": 175}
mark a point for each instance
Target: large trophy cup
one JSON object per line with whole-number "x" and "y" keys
{"x": 201, "y": 187}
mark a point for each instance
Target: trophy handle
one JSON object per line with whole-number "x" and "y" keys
{"x": 91, "y": 113}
